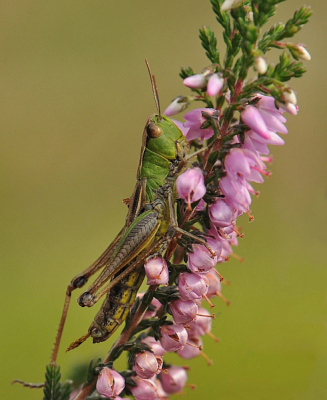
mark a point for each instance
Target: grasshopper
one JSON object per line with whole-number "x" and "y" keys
{"x": 150, "y": 220}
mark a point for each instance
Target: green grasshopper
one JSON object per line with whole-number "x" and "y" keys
{"x": 151, "y": 216}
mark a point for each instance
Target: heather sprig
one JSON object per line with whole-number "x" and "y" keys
{"x": 243, "y": 98}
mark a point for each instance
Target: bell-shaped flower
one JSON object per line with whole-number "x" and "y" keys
{"x": 192, "y": 286}
{"x": 156, "y": 271}
{"x": 215, "y": 84}
{"x": 253, "y": 119}
{"x": 154, "y": 345}
{"x": 147, "y": 364}
{"x": 201, "y": 325}
{"x": 146, "y": 389}
{"x": 236, "y": 193}
{"x": 173, "y": 381}
{"x": 195, "y": 123}
{"x": 110, "y": 383}
{"x": 162, "y": 395}
{"x": 192, "y": 349}
{"x": 197, "y": 81}
{"x": 200, "y": 261}
{"x": 221, "y": 214}
{"x": 173, "y": 337}
{"x": 214, "y": 284}
{"x": 190, "y": 185}
{"x": 183, "y": 312}
{"x": 244, "y": 163}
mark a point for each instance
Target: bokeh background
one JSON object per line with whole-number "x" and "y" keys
{"x": 74, "y": 98}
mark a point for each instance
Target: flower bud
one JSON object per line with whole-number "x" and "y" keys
{"x": 177, "y": 105}
{"x": 192, "y": 286}
{"x": 156, "y": 271}
{"x": 196, "y": 81}
{"x": 299, "y": 51}
{"x": 215, "y": 84}
{"x": 260, "y": 65}
{"x": 289, "y": 96}
{"x": 147, "y": 365}
{"x": 146, "y": 389}
{"x": 183, "y": 312}
{"x": 173, "y": 337}
{"x": 288, "y": 107}
{"x": 110, "y": 383}
{"x": 190, "y": 185}
{"x": 174, "y": 380}
{"x": 230, "y": 4}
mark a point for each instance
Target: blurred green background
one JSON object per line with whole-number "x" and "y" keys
{"x": 75, "y": 95}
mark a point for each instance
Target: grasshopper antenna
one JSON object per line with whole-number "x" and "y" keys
{"x": 154, "y": 88}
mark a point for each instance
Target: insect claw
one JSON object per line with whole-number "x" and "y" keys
{"x": 86, "y": 299}
{"x": 77, "y": 342}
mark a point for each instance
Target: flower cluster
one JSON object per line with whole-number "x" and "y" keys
{"x": 228, "y": 138}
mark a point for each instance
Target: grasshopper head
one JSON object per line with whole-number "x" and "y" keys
{"x": 165, "y": 138}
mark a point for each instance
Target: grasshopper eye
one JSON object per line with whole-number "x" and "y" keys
{"x": 153, "y": 130}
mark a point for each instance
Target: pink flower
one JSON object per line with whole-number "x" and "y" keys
{"x": 215, "y": 84}
{"x": 156, "y": 271}
{"x": 244, "y": 163}
{"x": 174, "y": 380}
{"x": 192, "y": 286}
{"x": 197, "y": 81}
{"x": 161, "y": 393}
{"x": 183, "y": 312}
{"x": 201, "y": 325}
{"x": 236, "y": 193}
{"x": 146, "y": 389}
{"x": 173, "y": 337}
{"x": 190, "y": 185}
{"x": 194, "y": 120}
{"x": 200, "y": 261}
{"x": 154, "y": 345}
{"x": 192, "y": 349}
{"x": 147, "y": 364}
{"x": 221, "y": 214}
{"x": 200, "y": 206}
{"x": 110, "y": 383}
{"x": 253, "y": 119}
